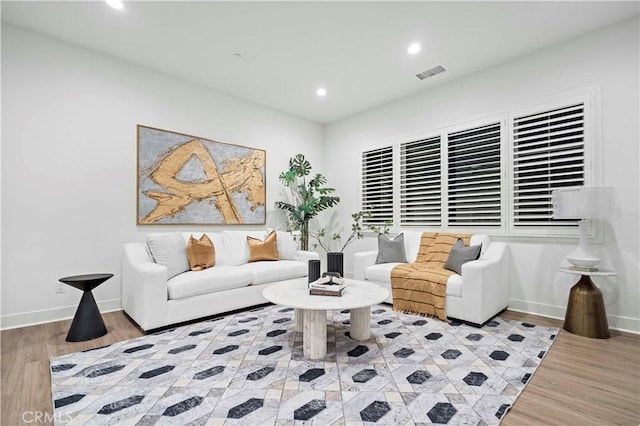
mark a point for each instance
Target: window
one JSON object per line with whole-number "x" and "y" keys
{"x": 474, "y": 176}
{"x": 548, "y": 153}
{"x": 494, "y": 175}
{"x": 420, "y": 183}
{"x": 377, "y": 185}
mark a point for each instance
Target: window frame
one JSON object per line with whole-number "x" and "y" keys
{"x": 468, "y": 125}
{"x": 398, "y": 177}
{"x": 393, "y": 183}
{"x": 507, "y": 230}
{"x": 586, "y": 97}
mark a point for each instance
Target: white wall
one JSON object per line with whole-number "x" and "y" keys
{"x": 69, "y": 120}
{"x": 609, "y": 58}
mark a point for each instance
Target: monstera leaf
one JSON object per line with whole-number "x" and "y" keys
{"x": 309, "y": 197}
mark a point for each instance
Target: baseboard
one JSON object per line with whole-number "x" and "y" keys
{"x": 50, "y": 315}
{"x": 626, "y": 324}
{"x": 629, "y": 325}
{"x": 549, "y": 311}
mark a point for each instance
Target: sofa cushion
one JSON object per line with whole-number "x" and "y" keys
{"x": 412, "y": 244}
{"x": 380, "y": 273}
{"x": 460, "y": 255}
{"x": 391, "y": 250}
{"x": 169, "y": 250}
{"x": 287, "y": 246}
{"x": 236, "y": 248}
{"x": 454, "y": 286}
{"x": 263, "y": 250}
{"x": 218, "y": 243}
{"x": 201, "y": 253}
{"x": 268, "y": 272}
{"x": 210, "y": 280}
{"x": 481, "y": 240}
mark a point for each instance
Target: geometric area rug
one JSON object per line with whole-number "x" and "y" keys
{"x": 247, "y": 368}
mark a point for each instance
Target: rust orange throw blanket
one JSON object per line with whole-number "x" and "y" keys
{"x": 420, "y": 287}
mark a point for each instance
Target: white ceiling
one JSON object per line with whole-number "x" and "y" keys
{"x": 357, "y": 50}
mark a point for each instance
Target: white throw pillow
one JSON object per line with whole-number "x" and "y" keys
{"x": 236, "y": 247}
{"x": 478, "y": 239}
{"x": 287, "y": 246}
{"x": 170, "y": 250}
{"x": 412, "y": 244}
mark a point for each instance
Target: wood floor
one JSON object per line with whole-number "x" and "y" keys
{"x": 581, "y": 381}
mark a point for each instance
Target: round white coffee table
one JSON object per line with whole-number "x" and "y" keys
{"x": 311, "y": 311}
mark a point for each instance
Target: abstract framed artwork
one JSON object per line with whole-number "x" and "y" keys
{"x": 189, "y": 180}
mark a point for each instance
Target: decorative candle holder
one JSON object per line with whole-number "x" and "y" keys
{"x": 314, "y": 270}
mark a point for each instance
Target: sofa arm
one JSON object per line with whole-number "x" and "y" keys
{"x": 305, "y": 256}
{"x": 485, "y": 284}
{"x": 144, "y": 287}
{"x": 362, "y": 261}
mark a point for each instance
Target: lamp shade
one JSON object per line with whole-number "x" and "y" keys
{"x": 583, "y": 203}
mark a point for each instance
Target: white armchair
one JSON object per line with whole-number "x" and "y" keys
{"x": 481, "y": 292}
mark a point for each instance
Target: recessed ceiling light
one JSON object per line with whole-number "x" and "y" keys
{"x": 116, "y": 4}
{"x": 321, "y": 91}
{"x": 237, "y": 55}
{"x": 413, "y": 49}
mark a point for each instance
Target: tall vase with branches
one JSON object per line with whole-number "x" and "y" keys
{"x": 335, "y": 259}
{"x": 357, "y": 232}
{"x": 309, "y": 196}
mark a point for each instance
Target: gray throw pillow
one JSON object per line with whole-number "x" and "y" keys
{"x": 391, "y": 251}
{"x": 170, "y": 250}
{"x": 460, "y": 255}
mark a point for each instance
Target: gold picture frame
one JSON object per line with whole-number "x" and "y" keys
{"x": 190, "y": 180}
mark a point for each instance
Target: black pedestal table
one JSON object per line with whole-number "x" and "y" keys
{"x": 87, "y": 323}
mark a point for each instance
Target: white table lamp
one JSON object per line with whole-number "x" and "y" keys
{"x": 583, "y": 203}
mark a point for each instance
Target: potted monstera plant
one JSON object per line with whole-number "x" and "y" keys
{"x": 308, "y": 196}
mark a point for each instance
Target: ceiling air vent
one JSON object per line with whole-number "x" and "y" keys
{"x": 430, "y": 72}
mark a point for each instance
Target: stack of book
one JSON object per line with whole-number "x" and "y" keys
{"x": 327, "y": 286}
{"x": 584, "y": 268}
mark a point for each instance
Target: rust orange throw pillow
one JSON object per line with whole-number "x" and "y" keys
{"x": 201, "y": 253}
{"x": 263, "y": 250}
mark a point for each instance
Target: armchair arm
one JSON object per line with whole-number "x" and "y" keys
{"x": 144, "y": 287}
{"x": 305, "y": 256}
{"x": 362, "y": 261}
{"x": 485, "y": 284}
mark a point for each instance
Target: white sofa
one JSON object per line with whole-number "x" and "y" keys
{"x": 481, "y": 292}
{"x": 153, "y": 301}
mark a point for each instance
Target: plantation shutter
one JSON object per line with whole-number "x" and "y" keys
{"x": 548, "y": 153}
{"x": 377, "y": 186}
{"x": 420, "y": 183}
{"x": 474, "y": 176}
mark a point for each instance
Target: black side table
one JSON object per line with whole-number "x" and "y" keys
{"x": 87, "y": 322}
